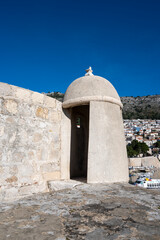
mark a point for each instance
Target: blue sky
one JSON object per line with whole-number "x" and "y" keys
{"x": 46, "y": 44}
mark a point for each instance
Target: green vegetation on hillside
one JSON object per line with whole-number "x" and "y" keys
{"x": 57, "y": 95}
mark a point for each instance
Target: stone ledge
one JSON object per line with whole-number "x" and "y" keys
{"x": 88, "y": 99}
{"x": 51, "y": 175}
{"x": 62, "y": 184}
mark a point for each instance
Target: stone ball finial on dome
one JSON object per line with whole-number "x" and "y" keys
{"x": 89, "y": 72}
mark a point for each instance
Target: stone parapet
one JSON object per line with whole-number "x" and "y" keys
{"x": 144, "y": 162}
{"x": 30, "y": 129}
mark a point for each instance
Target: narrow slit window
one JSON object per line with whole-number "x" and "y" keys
{"x": 78, "y": 122}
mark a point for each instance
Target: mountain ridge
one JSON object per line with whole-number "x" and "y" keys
{"x": 145, "y": 107}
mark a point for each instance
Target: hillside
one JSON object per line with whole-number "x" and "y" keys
{"x": 146, "y": 107}
{"x": 57, "y": 95}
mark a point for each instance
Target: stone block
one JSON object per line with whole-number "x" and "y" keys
{"x": 26, "y": 110}
{"x": 1, "y": 105}
{"x": 1, "y": 170}
{"x": 23, "y": 136}
{"x": 11, "y": 193}
{"x": 31, "y": 155}
{"x": 42, "y": 125}
{"x": 50, "y": 167}
{"x": 37, "y": 98}
{"x": 55, "y": 144}
{"x": 10, "y": 106}
{"x": 49, "y": 102}
{"x": 56, "y": 154}
{"x": 58, "y": 105}
{"x": 37, "y": 137}
{"x": 42, "y": 112}
{"x": 25, "y": 171}
{"x": 12, "y": 179}
{"x": 12, "y": 138}
{"x": 18, "y": 156}
{"x": 54, "y": 116}
{"x": 32, "y": 188}
{"x": 51, "y": 153}
{"x": 52, "y": 175}
{"x": 13, "y": 170}
{"x": 56, "y": 128}
{"x": 150, "y": 161}
{"x": 10, "y": 120}
{"x": 61, "y": 185}
{"x": 5, "y": 89}
{"x": 134, "y": 162}
{"x": 26, "y": 190}
{"x": 22, "y": 94}
{"x": 1, "y": 131}
{"x": 42, "y": 154}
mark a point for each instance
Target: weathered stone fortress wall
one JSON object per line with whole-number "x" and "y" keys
{"x": 30, "y": 126}
{"x": 144, "y": 162}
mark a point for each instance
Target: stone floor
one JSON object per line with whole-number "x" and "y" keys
{"x": 84, "y": 211}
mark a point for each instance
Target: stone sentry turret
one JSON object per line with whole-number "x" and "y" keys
{"x": 43, "y": 139}
{"x": 97, "y": 148}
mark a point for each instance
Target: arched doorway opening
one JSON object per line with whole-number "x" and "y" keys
{"x": 79, "y": 142}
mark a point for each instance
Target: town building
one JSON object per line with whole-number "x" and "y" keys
{"x": 143, "y": 130}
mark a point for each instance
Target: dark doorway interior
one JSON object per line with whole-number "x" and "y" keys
{"x": 79, "y": 142}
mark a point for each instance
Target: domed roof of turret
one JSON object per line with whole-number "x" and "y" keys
{"x": 90, "y": 88}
